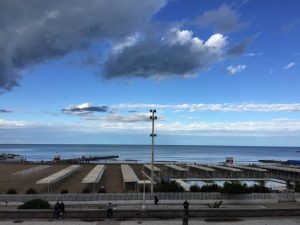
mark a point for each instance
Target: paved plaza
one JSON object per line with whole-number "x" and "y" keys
{"x": 233, "y": 221}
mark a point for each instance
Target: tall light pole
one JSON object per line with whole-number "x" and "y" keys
{"x": 152, "y": 135}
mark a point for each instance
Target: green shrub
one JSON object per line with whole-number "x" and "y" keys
{"x": 86, "y": 190}
{"x": 289, "y": 185}
{"x": 235, "y": 187}
{"x": 216, "y": 204}
{"x": 35, "y": 204}
{"x": 31, "y": 191}
{"x": 259, "y": 189}
{"x": 64, "y": 191}
{"x": 211, "y": 188}
{"x": 168, "y": 186}
{"x": 297, "y": 186}
{"x": 195, "y": 188}
{"x": 102, "y": 190}
{"x": 11, "y": 191}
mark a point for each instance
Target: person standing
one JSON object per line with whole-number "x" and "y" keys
{"x": 109, "y": 210}
{"x": 56, "y": 210}
{"x": 156, "y": 200}
{"x": 61, "y": 210}
{"x": 185, "y": 219}
{"x": 186, "y": 207}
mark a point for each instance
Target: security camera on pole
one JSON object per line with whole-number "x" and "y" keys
{"x": 152, "y": 135}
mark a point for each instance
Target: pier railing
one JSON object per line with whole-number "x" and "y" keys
{"x": 105, "y": 197}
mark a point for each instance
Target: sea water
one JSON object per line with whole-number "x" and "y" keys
{"x": 142, "y": 153}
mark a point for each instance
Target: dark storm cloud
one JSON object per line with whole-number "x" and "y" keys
{"x": 84, "y": 109}
{"x": 35, "y": 31}
{"x": 177, "y": 54}
{"x": 223, "y": 20}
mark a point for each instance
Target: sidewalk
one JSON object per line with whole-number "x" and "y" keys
{"x": 242, "y": 221}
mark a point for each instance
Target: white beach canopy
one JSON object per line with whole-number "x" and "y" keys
{"x": 204, "y": 168}
{"x": 175, "y": 167}
{"x": 128, "y": 174}
{"x": 256, "y": 169}
{"x": 29, "y": 173}
{"x": 129, "y": 177}
{"x": 226, "y": 168}
{"x": 155, "y": 169}
{"x": 57, "y": 177}
{"x": 282, "y": 168}
{"x": 94, "y": 175}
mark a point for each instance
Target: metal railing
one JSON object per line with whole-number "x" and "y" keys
{"x": 139, "y": 196}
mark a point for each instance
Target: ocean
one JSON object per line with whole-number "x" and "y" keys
{"x": 201, "y": 154}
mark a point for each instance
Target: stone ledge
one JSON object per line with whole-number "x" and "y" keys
{"x": 89, "y": 214}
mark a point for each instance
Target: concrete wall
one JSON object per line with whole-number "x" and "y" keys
{"x": 47, "y": 214}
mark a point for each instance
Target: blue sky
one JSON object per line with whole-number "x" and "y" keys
{"x": 217, "y": 72}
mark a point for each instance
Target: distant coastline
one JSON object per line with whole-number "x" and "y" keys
{"x": 186, "y": 153}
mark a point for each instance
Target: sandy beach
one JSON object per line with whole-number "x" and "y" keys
{"x": 111, "y": 179}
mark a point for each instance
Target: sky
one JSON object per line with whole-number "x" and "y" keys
{"x": 88, "y": 72}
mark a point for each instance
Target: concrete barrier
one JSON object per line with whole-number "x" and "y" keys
{"x": 94, "y": 214}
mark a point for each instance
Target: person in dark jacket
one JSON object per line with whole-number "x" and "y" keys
{"x": 156, "y": 200}
{"x": 109, "y": 210}
{"x": 186, "y": 207}
{"x": 61, "y": 210}
{"x": 56, "y": 210}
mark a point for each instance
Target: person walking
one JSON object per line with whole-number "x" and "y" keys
{"x": 156, "y": 200}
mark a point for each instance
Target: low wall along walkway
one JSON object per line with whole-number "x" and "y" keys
{"x": 199, "y": 197}
{"x": 166, "y": 213}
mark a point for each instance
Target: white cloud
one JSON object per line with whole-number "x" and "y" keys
{"x": 235, "y": 69}
{"x": 226, "y": 107}
{"x": 280, "y": 127}
{"x": 129, "y": 41}
{"x": 137, "y": 117}
{"x": 252, "y": 54}
{"x": 216, "y": 41}
{"x": 13, "y": 123}
{"x": 290, "y": 65}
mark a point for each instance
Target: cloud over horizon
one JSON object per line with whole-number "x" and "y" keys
{"x": 273, "y": 127}
{"x": 225, "y": 107}
{"x": 84, "y": 109}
